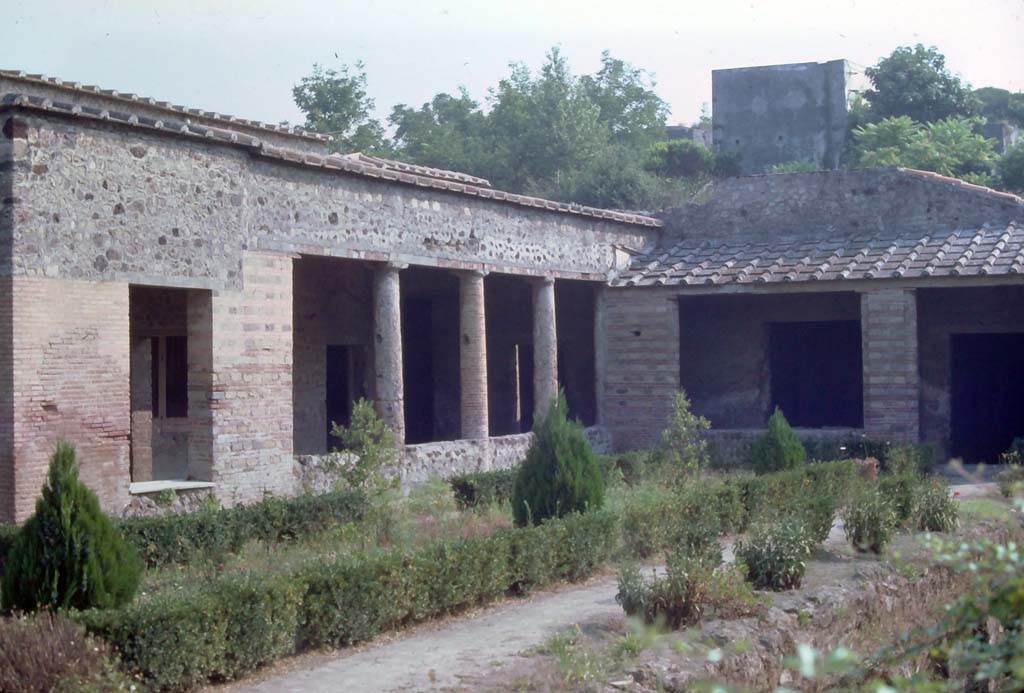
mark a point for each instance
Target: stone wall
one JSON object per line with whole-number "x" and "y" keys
{"x": 113, "y": 203}
{"x": 7, "y": 480}
{"x": 889, "y": 352}
{"x": 779, "y": 113}
{"x": 831, "y": 204}
{"x": 70, "y": 380}
{"x": 731, "y": 447}
{"x": 641, "y": 373}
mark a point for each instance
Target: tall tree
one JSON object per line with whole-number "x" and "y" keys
{"x": 447, "y": 132}
{"x": 335, "y": 103}
{"x": 915, "y": 82}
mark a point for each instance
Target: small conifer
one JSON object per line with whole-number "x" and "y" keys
{"x": 779, "y": 447}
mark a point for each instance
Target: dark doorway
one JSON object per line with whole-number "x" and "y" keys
{"x": 344, "y": 384}
{"x": 988, "y": 394}
{"x": 816, "y": 372}
{"x": 524, "y": 354}
{"x": 418, "y": 369}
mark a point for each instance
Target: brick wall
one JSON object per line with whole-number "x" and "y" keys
{"x": 250, "y": 395}
{"x": 642, "y": 364}
{"x": 889, "y": 350}
{"x": 70, "y": 380}
{"x": 6, "y": 402}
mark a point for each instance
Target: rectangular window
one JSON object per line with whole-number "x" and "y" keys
{"x": 816, "y": 373}
{"x": 169, "y": 377}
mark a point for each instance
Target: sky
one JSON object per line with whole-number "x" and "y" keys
{"x": 242, "y": 57}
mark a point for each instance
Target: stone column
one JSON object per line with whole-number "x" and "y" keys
{"x": 389, "y": 397}
{"x": 889, "y": 355}
{"x": 473, "y": 355}
{"x": 545, "y": 345}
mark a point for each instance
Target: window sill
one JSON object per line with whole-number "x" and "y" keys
{"x": 142, "y": 487}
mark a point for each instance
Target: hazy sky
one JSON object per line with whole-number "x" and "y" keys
{"x": 243, "y": 56}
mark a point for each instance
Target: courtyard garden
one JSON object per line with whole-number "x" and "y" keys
{"x": 831, "y": 566}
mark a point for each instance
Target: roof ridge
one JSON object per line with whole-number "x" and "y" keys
{"x": 950, "y": 180}
{"x": 292, "y": 130}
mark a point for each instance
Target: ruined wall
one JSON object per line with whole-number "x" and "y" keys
{"x": 332, "y": 305}
{"x": 724, "y": 355}
{"x": 779, "y": 113}
{"x": 70, "y": 380}
{"x": 641, "y": 345}
{"x": 831, "y": 204}
{"x": 941, "y": 313}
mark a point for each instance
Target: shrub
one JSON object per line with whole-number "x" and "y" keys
{"x": 901, "y": 490}
{"x": 49, "y": 652}
{"x": 778, "y": 448}
{"x": 697, "y": 537}
{"x": 936, "y": 510}
{"x": 1010, "y": 168}
{"x": 646, "y": 521}
{"x": 483, "y": 488}
{"x": 68, "y": 554}
{"x": 680, "y": 158}
{"x": 776, "y": 556}
{"x": 559, "y": 475}
{"x": 817, "y": 511}
{"x": 869, "y": 519}
{"x": 370, "y": 444}
{"x": 1011, "y": 480}
{"x": 223, "y": 628}
{"x": 689, "y": 589}
{"x": 795, "y": 166}
{"x": 683, "y": 449}
{"x": 909, "y": 458}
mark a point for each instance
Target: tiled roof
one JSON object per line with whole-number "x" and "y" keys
{"x": 163, "y": 105}
{"x": 428, "y": 171}
{"x": 701, "y": 261}
{"x": 365, "y": 166}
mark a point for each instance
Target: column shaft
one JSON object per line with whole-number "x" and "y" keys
{"x": 545, "y": 346}
{"x": 473, "y": 355}
{"x": 889, "y": 355}
{"x": 389, "y": 394}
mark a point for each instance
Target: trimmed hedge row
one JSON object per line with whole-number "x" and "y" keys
{"x": 209, "y": 534}
{"x": 483, "y": 488}
{"x": 220, "y": 631}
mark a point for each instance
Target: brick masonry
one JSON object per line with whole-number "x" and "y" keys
{"x": 889, "y": 352}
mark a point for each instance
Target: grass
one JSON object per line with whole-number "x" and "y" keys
{"x": 987, "y": 509}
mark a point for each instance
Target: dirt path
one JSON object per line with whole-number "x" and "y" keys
{"x": 455, "y": 652}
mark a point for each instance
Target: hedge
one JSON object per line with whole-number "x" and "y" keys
{"x": 222, "y": 630}
{"x": 483, "y": 488}
{"x": 209, "y": 534}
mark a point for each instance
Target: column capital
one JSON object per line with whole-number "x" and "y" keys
{"x": 545, "y": 280}
{"x": 476, "y": 272}
{"x": 395, "y": 266}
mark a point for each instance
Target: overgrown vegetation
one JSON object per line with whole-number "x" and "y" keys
{"x": 869, "y": 519}
{"x": 368, "y": 447}
{"x": 778, "y": 448}
{"x": 683, "y": 449}
{"x": 936, "y": 509}
{"x": 68, "y": 555}
{"x": 775, "y": 556}
{"x": 559, "y": 475}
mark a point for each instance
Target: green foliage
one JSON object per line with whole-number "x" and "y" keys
{"x": 950, "y": 147}
{"x": 683, "y": 449}
{"x": 680, "y": 159}
{"x": 1001, "y": 105}
{"x": 776, "y": 556}
{"x": 870, "y": 519}
{"x": 1011, "y": 480}
{"x": 728, "y": 164}
{"x": 335, "y": 103}
{"x": 689, "y": 589}
{"x": 227, "y": 627}
{"x": 778, "y": 448}
{"x": 936, "y": 509}
{"x": 483, "y": 488}
{"x": 559, "y": 475}
{"x": 1010, "y": 168}
{"x": 49, "y": 652}
{"x": 209, "y": 534}
{"x": 68, "y": 555}
{"x": 817, "y": 511}
{"x": 803, "y": 166}
{"x": 915, "y": 82}
{"x": 370, "y": 445}
{"x": 901, "y": 490}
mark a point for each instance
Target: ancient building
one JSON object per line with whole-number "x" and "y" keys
{"x": 192, "y": 299}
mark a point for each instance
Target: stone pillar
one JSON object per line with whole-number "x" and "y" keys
{"x": 545, "y": 345}
{"x": 889, "y": 355}
{"x": 389, "y": 395}
{"x": 600, "y": 352}
{"x": 473, "y": 355}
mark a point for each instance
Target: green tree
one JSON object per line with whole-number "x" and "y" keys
{"x": 778, "y": 448}
{"x": 683, "y": 446}
{"x": 370, "y": 444}
{"x": 915, "y": 82}
{"x": 1010, "y": 168}
{"x": 68, "y": 555}
{"x": 335, "y": 103}
{"x": 628, "y": 105}
{"x": 949, "y": 147}
{"x": 447, "y": 132}
{"x": 560, "y": 474}
{"x": 1001, "y": 105}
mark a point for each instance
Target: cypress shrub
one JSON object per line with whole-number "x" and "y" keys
{"x": 560, "y": 474}
{"x": 68, "y": 555}
{"x": 778, "y": 448}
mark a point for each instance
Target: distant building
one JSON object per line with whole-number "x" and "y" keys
{"x": 780, "y": 113}
{"x": 698, "y": 134}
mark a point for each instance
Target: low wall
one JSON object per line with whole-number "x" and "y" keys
{"x": 729, "y": 447}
